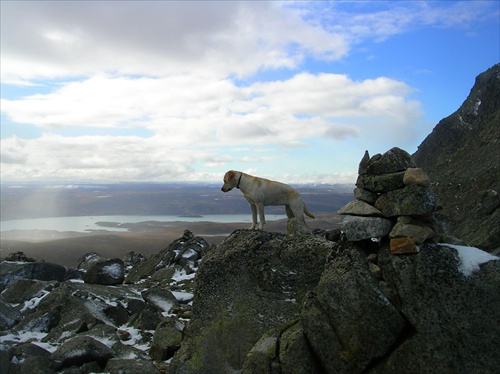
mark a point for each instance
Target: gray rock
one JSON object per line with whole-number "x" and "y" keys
{"x": 453, "y": 318}
{"x": 392, "y": 161}
{"x": 186, "y": 251}
{"x": 10, "y": 272}
{"x": 262, "y": 355}
{"x": 160, "y": 298}
{"x": 418, "y": 233}
{"x": 88, "y": 260}
{"x": 416, "y": 177}
{"x": 26, "y": 289}
{"x": 166, "y": 340}
{"x": 365, "y": 195}
{"x": 408, "y": 201}
{"x": 81, "y": 350}
{"x": 30, "y": 358}
{"x": 251, "y": 282}
{"x": 360, "y": 228}
{"x": 108, "y": 272}
{"x": 295, "y": 354}
{"x": 9, "y": 316}
{"x": 36, "y": 365}
{"x": 360, "y": 208}
{"x": 382, "y": 182}
{"x": 363, "y": 164}
{"x": 126, "y": 366}
{"x": 349, "y": 311}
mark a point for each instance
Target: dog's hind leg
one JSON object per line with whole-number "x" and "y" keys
{"x": 298, "y": 211}
{"x": 262, "y": 216}
{"x": 289, "y": 212}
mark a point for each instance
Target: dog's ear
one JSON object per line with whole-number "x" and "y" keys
{"x": 230, "y": 175}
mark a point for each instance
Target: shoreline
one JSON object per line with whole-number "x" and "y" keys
{"x": 148, "y": 238}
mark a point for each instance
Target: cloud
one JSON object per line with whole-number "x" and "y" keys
{"x": 191, "y": 121}
{"x": 169, "y": 80}
{"x": 58, "y": 39}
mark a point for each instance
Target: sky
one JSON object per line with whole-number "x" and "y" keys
{"x": 111, "y": 91}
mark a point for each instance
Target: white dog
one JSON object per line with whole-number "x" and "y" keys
{"x": 260, "y": 192}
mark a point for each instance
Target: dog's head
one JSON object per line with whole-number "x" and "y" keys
{"x": 230, "y": 181}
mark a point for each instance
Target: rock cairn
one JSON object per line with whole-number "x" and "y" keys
{"x": 392, "y": 199}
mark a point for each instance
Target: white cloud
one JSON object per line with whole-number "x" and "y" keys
{"x": 192, "y": 121}
{"x": 58, "y": 39}
{"x": 165, "y": 71}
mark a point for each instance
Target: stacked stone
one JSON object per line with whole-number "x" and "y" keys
{"x": 392, "y": 199}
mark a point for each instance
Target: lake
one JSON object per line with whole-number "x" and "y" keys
{"x": 90, "y": 223}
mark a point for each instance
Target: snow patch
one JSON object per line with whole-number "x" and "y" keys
{"x": 471, "y": 258}
{"x": 113, "y": 270}
{"x": 182, "y": 296}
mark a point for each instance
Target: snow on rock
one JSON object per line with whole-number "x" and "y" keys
{"x": 471, "y": 258}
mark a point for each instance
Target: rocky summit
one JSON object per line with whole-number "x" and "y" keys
{"x": 260, "y": 302}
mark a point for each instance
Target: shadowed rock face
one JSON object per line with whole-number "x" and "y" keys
{"x": 462, "y": 158}
{"x": 264, "y": 301}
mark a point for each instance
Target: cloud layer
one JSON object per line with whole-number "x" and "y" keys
{"x": 184, "y": 90}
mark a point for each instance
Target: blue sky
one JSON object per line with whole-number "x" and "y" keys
{"x": 184, "y": 91}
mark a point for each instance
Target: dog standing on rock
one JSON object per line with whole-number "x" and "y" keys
{"x": 260, "y": 192}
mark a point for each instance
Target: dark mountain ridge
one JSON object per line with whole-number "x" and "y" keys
{"x": 462, "y": 158}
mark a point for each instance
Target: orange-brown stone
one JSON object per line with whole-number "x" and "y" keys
{"x": 403, "y": 245}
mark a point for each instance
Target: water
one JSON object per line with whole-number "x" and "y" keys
{"x": 89, "y": 223}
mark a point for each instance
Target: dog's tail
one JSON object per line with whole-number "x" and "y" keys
{"x": 307, "y": 212}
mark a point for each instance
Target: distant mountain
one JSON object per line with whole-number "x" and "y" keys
{"x": 462, "y": 158}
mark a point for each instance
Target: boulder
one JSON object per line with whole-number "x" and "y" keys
{"x": 251, "y": 282}
{"x": 360, "y": 228}
{"x": 166, "y": 340}
{"x": 9, "y": 316}
{"x": 88, "y": 260}
{"x": 81, "y": 350}
{"x": 452, "y": 315}
{"x": 409, "y": 201}
{"x": 186, "y": 251}
{"x": 10, "y": 272}
{"x": 160, "y": 298}
{"x": 27, "y": 289}
{"x": 347, "y": 320}
{"x": 108, "y": 272}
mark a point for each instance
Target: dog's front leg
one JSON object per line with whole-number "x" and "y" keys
{"x": 254, "y": 217}
{"x": 262, "y": 216}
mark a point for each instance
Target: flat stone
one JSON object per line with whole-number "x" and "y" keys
{"x": 381, "y": 183}
{"x": 360, "y": 228}
{"x": 360, "y": 208}
{"x": 419, "y": 234}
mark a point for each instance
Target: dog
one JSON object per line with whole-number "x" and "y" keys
{"x": 260, "y": 192}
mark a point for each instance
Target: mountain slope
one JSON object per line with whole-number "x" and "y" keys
{"x": 462, "y": 158}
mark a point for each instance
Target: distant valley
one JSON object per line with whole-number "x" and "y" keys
{"x": 36, "y": 200}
